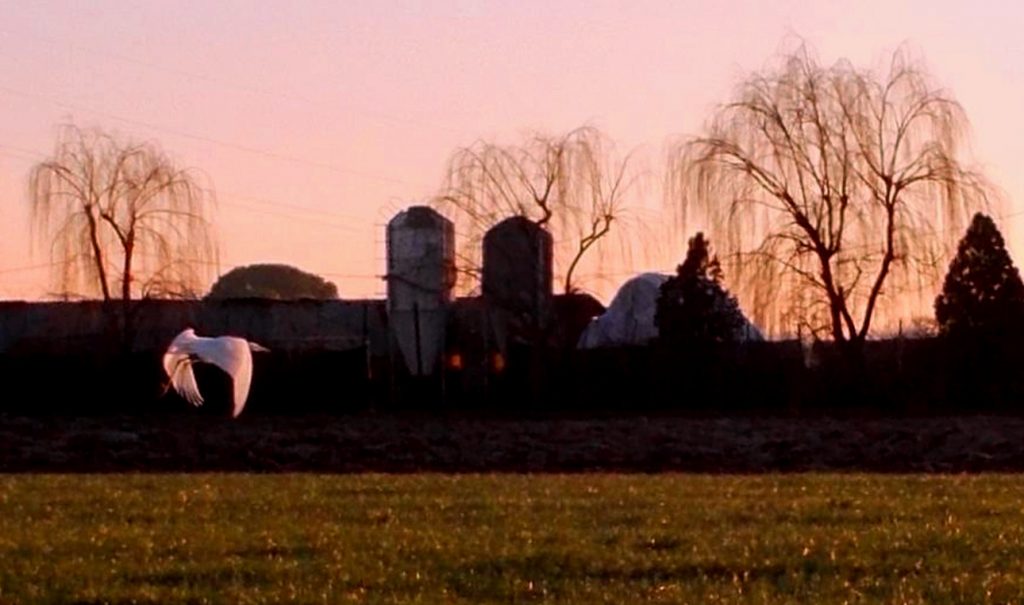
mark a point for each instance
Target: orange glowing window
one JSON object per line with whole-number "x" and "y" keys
{"x": 455, "y": 361}
{"x": 499, "y": 362}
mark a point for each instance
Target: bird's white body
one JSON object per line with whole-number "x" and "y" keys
{"x": 229, "y": 353}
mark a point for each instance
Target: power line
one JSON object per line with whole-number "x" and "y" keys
{"x": 293, "y": 217}
{"x": 231, "y": 265}
{"x": 50, "y": 42}
{"x": 197, "y": 137}
{"x": 28, "y": 154}
{"x": 18, "y": 156}
{"x": 193, "y": 261}
{"x": 34, "y": 267}
{"x": 216, "y": 193}
{"x": 299, "y": 207}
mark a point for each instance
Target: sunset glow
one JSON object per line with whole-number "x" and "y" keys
{"x": 315, "y": 122}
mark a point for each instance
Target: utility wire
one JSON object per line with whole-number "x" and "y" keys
{"x": 188, "y": 135}
{"x": 247, "y": 88}
{"x": 260, "y": 200}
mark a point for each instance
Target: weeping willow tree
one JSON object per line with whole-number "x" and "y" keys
{"x": 571, "y": 185}
{"x": 121, "y": 220}
{"x": 832, "y": 191}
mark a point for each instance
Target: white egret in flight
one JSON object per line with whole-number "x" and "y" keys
{"x": 229, "y": 353}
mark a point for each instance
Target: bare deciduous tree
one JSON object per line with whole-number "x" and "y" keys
{"x": 830, "y": 189}
{"x": 570, "y": 185}
{"x": 121, "y": 220}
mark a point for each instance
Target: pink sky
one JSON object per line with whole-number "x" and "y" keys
{"x": 316, "y": 121}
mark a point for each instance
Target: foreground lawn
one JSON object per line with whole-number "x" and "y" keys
{"x": 511, "y": 538}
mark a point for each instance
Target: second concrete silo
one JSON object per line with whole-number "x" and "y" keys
{"x": 517, "y": 272}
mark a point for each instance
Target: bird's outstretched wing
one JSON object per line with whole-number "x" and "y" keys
{"x": 178, "y": 366}
{"x": 232, "y": 355}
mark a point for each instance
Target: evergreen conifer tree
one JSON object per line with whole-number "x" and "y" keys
{"x": 983, "y": 294}
{"x": 693, "y": 307}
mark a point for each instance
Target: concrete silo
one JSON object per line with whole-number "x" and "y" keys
{"x": 517, "y": 272}
{"x": 420, "y": 278}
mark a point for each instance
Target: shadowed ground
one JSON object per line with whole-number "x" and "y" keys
{"x": 413, "y": 443}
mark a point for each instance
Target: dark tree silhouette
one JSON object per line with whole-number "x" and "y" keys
{"x": 983, "y": 294}
{"x": 121, "y": 220}
{"x": 571, "y": 185}
{"x": 825, "y": 183}
{"x": 693, "y": 307}
{"x": 279, "y": 282}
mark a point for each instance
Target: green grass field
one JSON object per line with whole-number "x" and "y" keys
{"x": 511, "y": 539}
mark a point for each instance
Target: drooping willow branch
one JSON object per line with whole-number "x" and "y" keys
{"x": 120, "y": 218}
{"x": 571, "y": 185}
{"x": 832, "y": 183}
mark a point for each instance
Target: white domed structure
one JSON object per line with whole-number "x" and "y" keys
{"x": 629, "y": 319}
